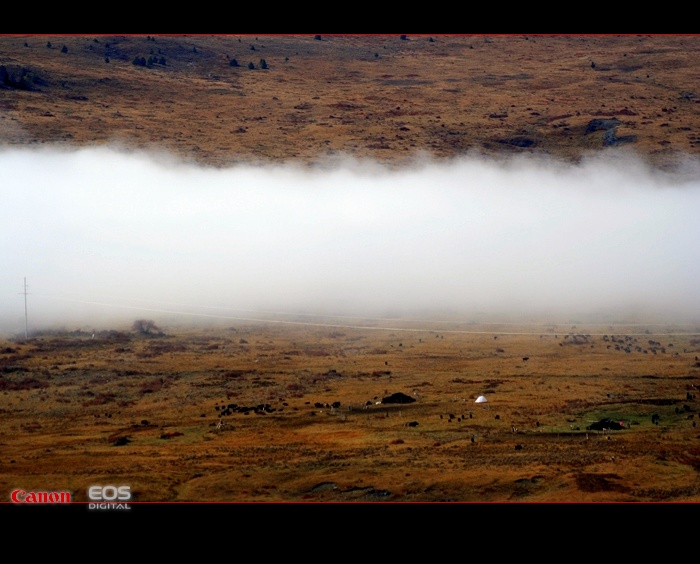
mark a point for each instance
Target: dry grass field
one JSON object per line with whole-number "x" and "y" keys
{"x": 299, "y": 409}
{"x": 263, "y": 412}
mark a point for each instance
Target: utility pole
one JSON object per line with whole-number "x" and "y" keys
{"x": 26, "y": 332}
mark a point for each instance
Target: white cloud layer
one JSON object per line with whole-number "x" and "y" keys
{"x": 103, "y": 236}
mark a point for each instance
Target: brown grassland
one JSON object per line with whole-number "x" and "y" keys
{"x": 292, "y": 411}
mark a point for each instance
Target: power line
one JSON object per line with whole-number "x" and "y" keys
{"x": 26, "y": 324}
{"x": 355, "y": 326}
{"x": 495, "y": 323}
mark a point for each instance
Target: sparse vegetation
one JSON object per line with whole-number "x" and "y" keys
{"x": 450, "y": 124}
{"x": 146, "y": 327}
{"x": 17, "y": 78}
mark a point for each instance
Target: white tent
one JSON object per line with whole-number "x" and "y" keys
{"x": 480, "y": 399}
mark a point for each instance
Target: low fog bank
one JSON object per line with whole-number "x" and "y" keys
{"x": 104, "y": 237}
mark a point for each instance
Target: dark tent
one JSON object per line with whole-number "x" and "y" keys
{"x": 398, "y": 397}
{"x": 609, "y": 424}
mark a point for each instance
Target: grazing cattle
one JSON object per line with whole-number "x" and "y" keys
{"x": 222, "y": 426}
{"x": 412, "y": 424}
{"x": 171, "y": 435}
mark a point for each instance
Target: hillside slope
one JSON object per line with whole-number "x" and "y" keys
{"x": 221, "y": 100}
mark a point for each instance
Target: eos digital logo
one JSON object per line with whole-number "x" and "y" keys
{"x": 109, "y": 497}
